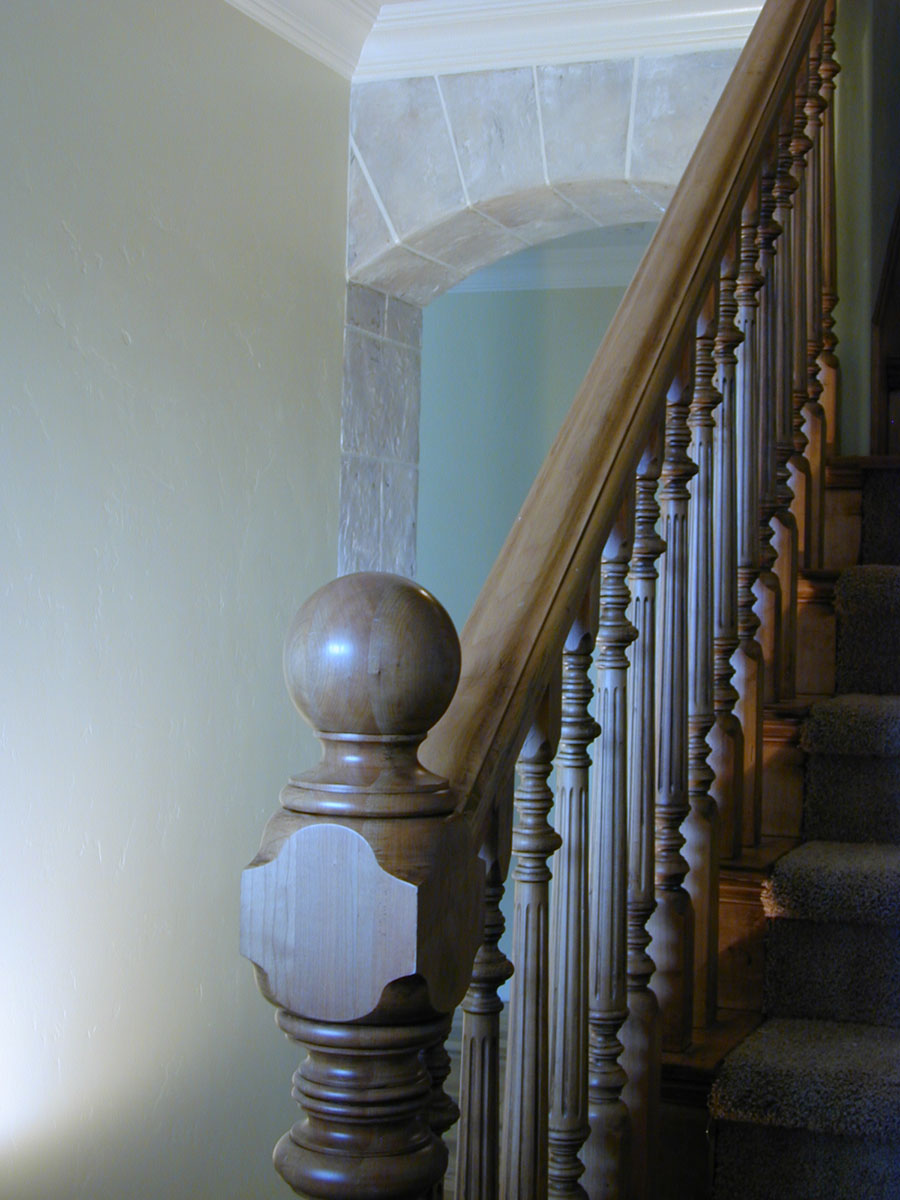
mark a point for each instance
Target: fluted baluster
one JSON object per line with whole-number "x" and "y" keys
{"x": 478, "y": 1146}
{"x": 767, "y": 590}
{"x": 798, "y": 464}
{"x": 784, "y": 523}
{"x": 606, "y": 1152}
{"x": 828, "y": 69}
{"x": 748, "y": 659}
{"x": 814, "y": 418}
{"x": 568, "y": 914}
{"x": 726, "y": 738}
{"x": 523, "y": 1155}
{"x": 641, "y": 1034}
{"x": 672, "y": 924}
{"x": 701, "y": 827}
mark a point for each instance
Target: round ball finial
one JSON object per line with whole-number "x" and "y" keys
{"x": 372, "y": 655}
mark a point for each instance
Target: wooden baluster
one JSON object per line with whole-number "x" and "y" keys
{"x": 672, "y": 924}
{"x": 361, "y": 912}
{"x": 815, "y": 421}
{"x": 701, "y": 827}
{"x": 641, "y": 1035}
{"x": 443, "y": 1111}
{"x": 606, "y": 1152}
{"x": 798, "y": 464}
{"x": 748, "y": 659}
{"x": 523, "y": 1155}
{"x": 767, "y": 591}
{"x": 828, "y": 69}
{"x": 568, "y": 1122}
{"x": 726, "y": 738}
{"x": 478, "y": 1146}
{"x": 785, "y": 534}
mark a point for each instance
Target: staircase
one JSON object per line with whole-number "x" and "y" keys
{"x": 809, "y": 1105}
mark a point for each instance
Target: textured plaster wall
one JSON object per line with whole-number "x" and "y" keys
{"x": 499, "y": 373}
{"x": 868, "y": 167}
{"x": 172, "y": 221}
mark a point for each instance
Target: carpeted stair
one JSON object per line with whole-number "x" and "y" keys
{"x": 808, "y": 1107}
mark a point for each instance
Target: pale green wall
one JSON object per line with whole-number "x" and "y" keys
{"x": 868, "y": 164}
{"x": 499, "y": 372}
{"x": 172, "y": 219}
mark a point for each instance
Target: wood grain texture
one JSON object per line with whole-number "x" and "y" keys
{"x": 672, "y": 923}
{"x": 607, "y": 1151}
{"x": 568, "y": 1114}
{"x": 767, "y": 589}
{"x": 478, "y": 1145}
{"x": 749, "y": 657}
{"x": 829, "y": 69}
{"x": 641, "y": 1035}
{"x": 701, "y": 825}
{"x": 556, "y": 541}
{"x": 786, "y": 537}
{"x": 726, "y": 737}
{"x": 361, "y": 882}
{"x": 523, "y": 1143}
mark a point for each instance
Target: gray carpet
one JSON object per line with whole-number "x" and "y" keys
{"x": 867, "y": 602}
{"x": 808, "y": 1107}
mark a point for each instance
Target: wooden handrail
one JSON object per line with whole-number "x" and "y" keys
{"x": 517, "y": 627}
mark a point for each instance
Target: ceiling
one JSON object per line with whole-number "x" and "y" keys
{"x": 365, "y": 39}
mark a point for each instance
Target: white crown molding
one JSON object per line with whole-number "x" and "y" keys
{"x": 332, "y": 31}
{"x": 425, "y": 37}
{"x": 366, "y": 40}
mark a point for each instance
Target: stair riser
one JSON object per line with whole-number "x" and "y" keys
{"x": 755, "y": 1162}
{"x": 868, "y": 642}
{"x": 850, "y": 799}
{"x": 880, "y": 527}
{"x": 833, "y": 971}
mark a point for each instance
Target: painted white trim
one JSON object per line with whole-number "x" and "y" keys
{"x": 425, "y": 37}
{"x": 332, "y": 31}
{"x": 428, "y": 37}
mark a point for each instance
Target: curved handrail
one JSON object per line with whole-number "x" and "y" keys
{"x": 522, "y": 615}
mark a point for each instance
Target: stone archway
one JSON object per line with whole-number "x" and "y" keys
{"x": 449, "y": 173}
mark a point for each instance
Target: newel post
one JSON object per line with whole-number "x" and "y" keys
{"x": 362, "y": 910}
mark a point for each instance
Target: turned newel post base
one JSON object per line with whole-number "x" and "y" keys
{"x": 365, "y": 1091}
{"x": 362, "y": 911}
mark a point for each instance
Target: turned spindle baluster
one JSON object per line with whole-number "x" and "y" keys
{"x": 478, "y": 1146}
{"x": 815, "y": 426}
{"x": 523, "y": 1155}
{"x": 726, "y": 738}
{"x": 568, "y": 1120}
{"x": 828, "y": 69}
{"x": 606, "y": 1152}
{"x": 641, "y": 1035}
{"x": 798, "y": 464}
{"x": 443, "y": 1111}
{"x": 748, "y": 659}
{"x": 767, "y": 590}
{"x": 361, "y": 881}
{"x": 785, "y": 533}
{"x": 672, "y": 924}
{"x": 701, "y": 826}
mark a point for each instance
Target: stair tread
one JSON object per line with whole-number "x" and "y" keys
{"x": 849, "y": 882}
{"x": 855, "y": 723}
{"x": 835, "y": 1077}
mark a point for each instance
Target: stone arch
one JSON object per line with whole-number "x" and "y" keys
{"x": 446, "y": 175}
